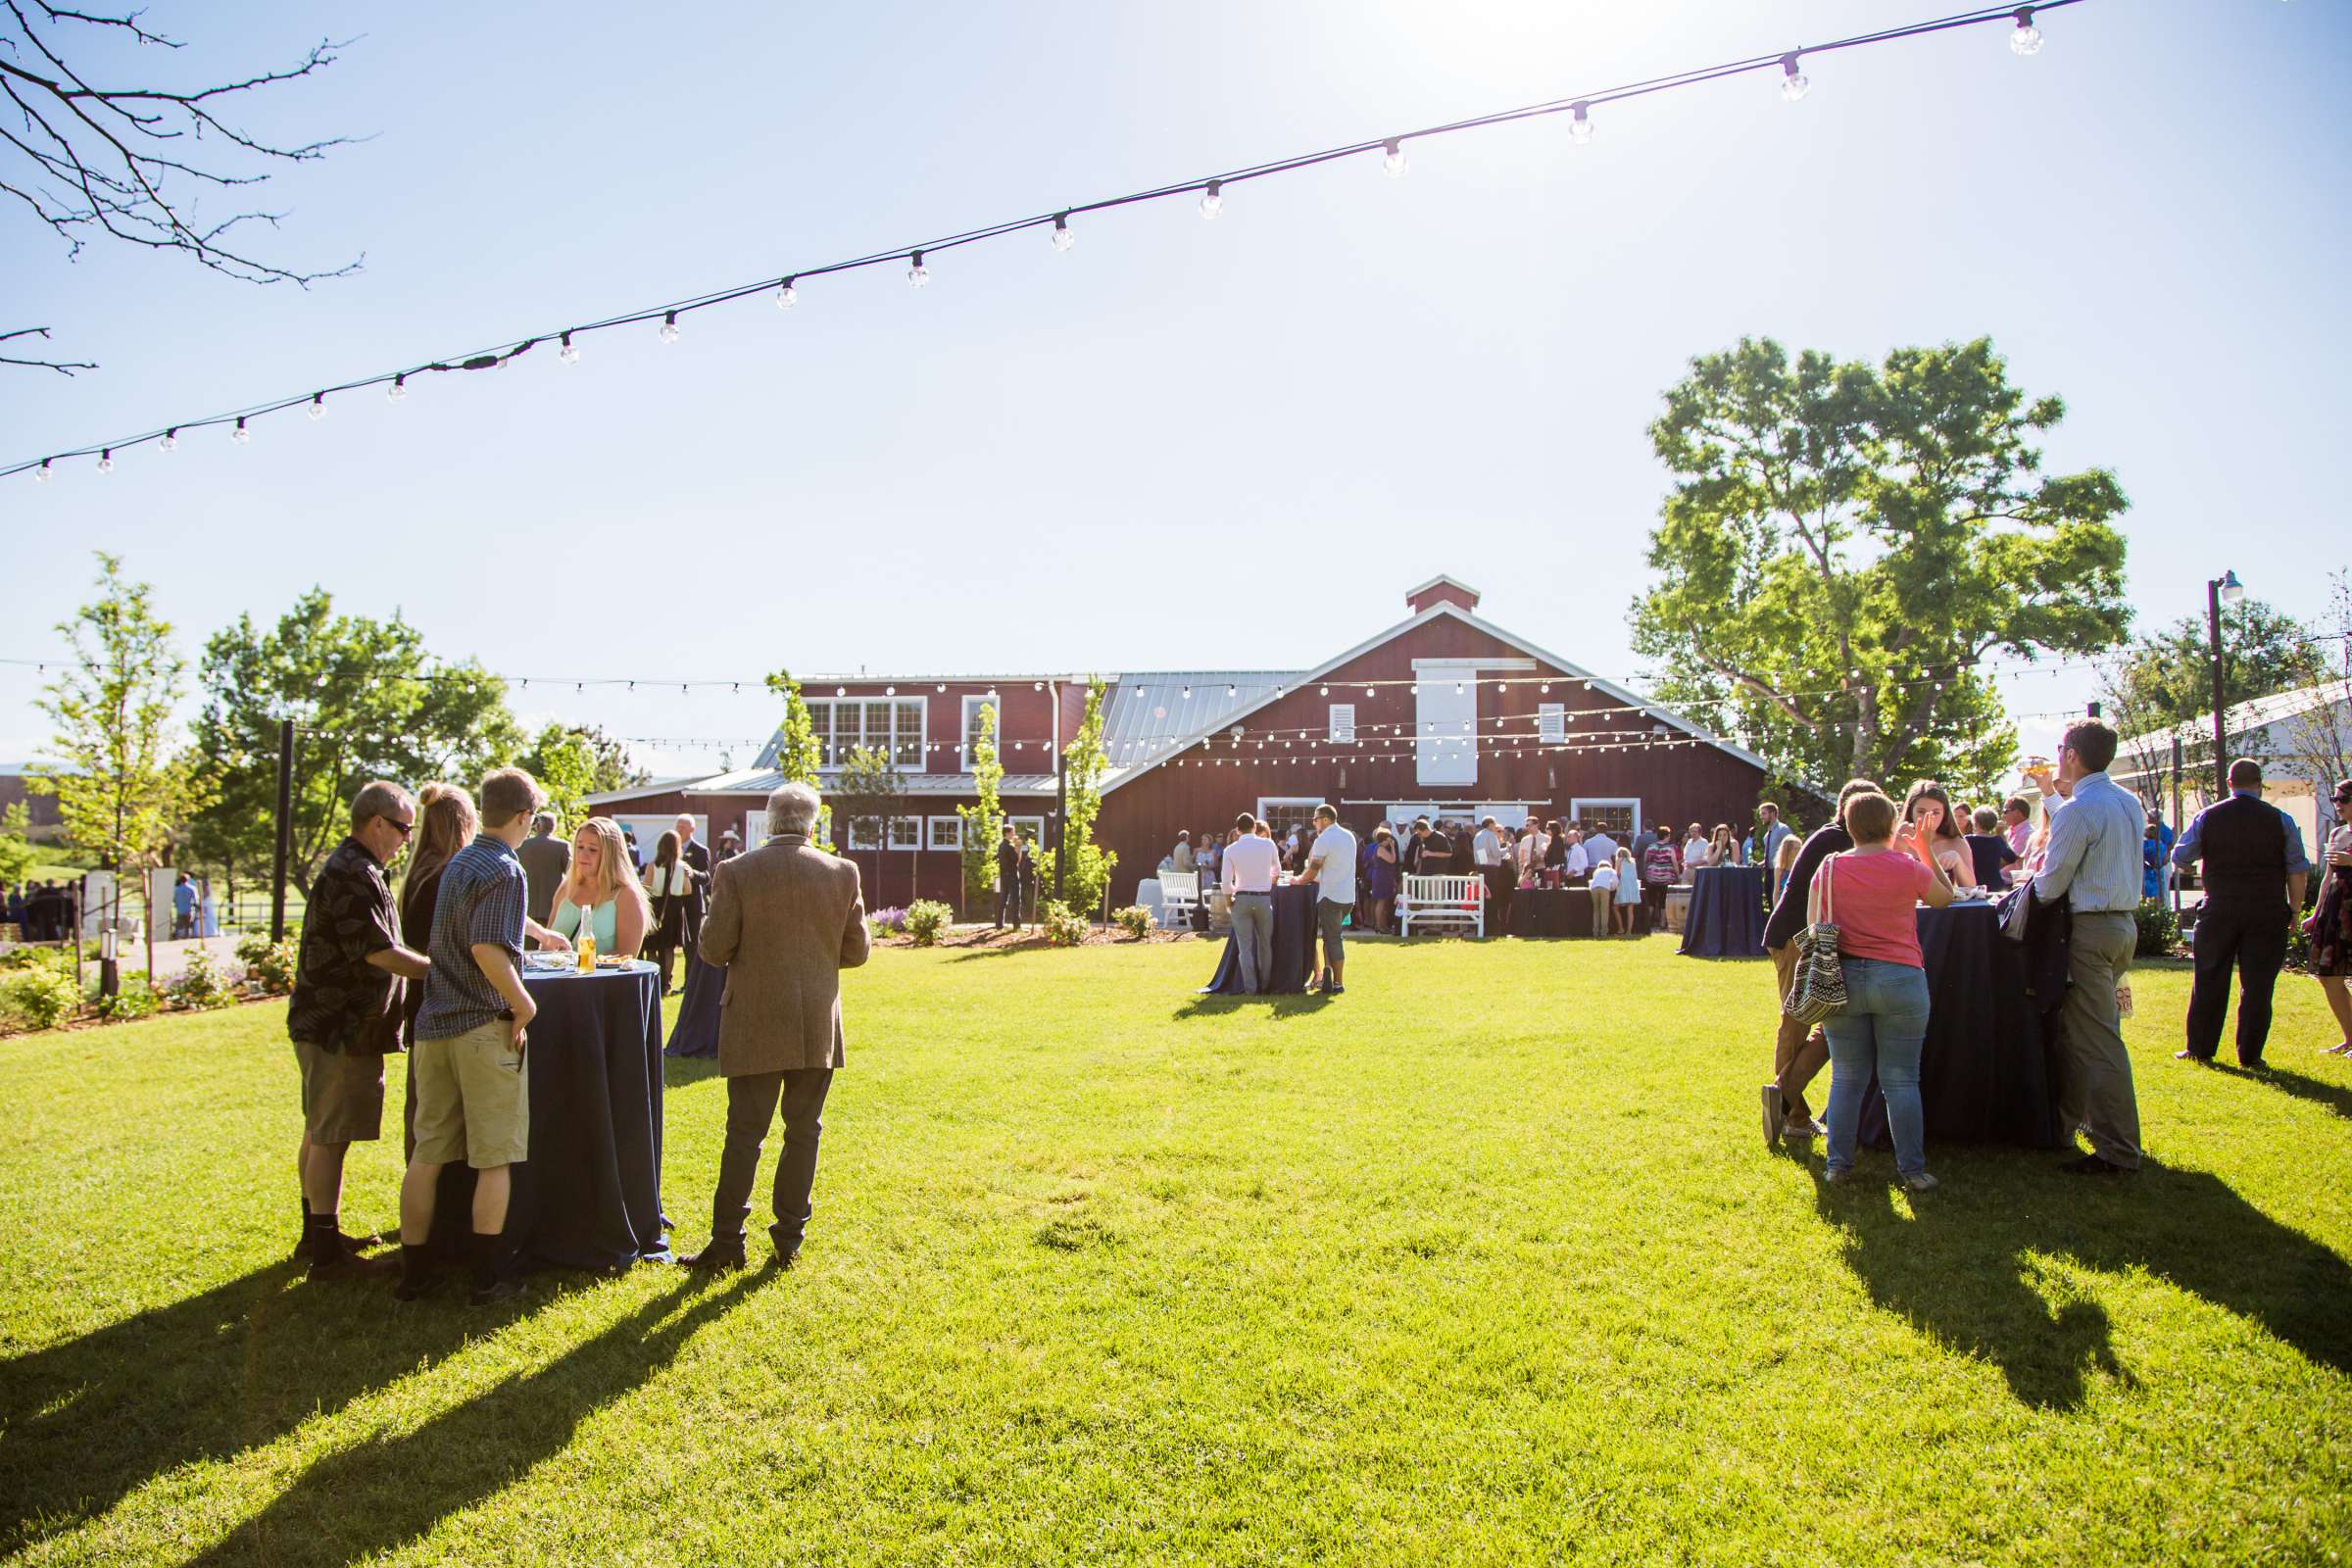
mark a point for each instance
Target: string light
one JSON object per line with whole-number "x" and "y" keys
{"x": 1393, "y": 160}
{"x": 41, "y": 475}
{"x": 568, "y": 350}
{"x": 1063, "y": 239}
{"x": 169, "y": 442}
{"x": 1579, "y": 123}
{"x": 2027, "y": 38}
{"x": 669, "y": 327}
{"x": 1795, "y": 83}
{"x": 106, "y": 462}
{"x": 787, "y": 296}
{"x": 918, "y": 275}
{"x": 318, "y": 409}
{"x": 240, "y": 435}
{"x": 398, "y": 391}
{"x": 1212, "y": 199}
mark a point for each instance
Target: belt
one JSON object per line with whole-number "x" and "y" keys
{"x": 1254, "y": 893}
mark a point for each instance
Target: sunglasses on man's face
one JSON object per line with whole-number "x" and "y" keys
{"x": 404, "y": 828}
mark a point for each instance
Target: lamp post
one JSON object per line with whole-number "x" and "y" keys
{"x": 2219, "y": 591}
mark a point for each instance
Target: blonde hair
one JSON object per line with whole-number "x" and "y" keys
{"x": 445, "y": 824}
{"x": 1784, "y": 857}
{"x": 617, "y": 872}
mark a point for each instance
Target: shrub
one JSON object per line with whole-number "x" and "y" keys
{"x": 926, "y": 918}
{"x": 133, "y": 1000}
{"x": 40, "y": 995}
{"x": 268, "y": 964}
{"x": 886, "y": 922}
{"x": 201, "y": 983}
{"x": 2159, "y": 929}
{"x": 1135, "y": 919}
{"x": 1064, "y": 926}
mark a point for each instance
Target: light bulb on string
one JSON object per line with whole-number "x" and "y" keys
{"x": 917, "y": 274}
{"x": 169, "y": 442}
{"x": 1579, "y": 123}
{"x": 787, "y": 296}
{"x": 669, "y": 327}
{"x": 41, "y": 474}
{"x": 566, "y": 350}
{"x": 1393, "y": 159}
{"x": 398, "y": 391}
{"x": 106, "y": 459}
{"x": 1795, "y": 83}
{"x": 240, "y": 435}
{"x": 1212, "y": 199}
{"x": 2027, "y": 38}
{"x": 1063, "y": 239}
{"x": 318, "y": 409}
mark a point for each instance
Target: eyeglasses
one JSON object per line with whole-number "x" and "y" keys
{"x": 406, "y": 828}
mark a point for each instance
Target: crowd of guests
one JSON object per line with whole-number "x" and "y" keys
{"x": 435, "y": 971}
{"x": 42, "y": 912}
{"x": 2086, "y": 845}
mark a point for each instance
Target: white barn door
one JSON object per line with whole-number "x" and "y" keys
{"x": 1445, "y": 727}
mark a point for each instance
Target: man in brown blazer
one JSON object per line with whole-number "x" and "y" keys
{"x": 784, "y": 920}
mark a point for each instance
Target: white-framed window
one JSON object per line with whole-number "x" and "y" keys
{"x": 905, "y": 832}
{"x": 890, "y": 726}
{"x": 969, "y": 731}
{"x": 1030, "y": 829}
{"x": 861, "y": 834}
{"x": 1343, "y": 723}
{"x": 1289, "y": 813}
{"x": 947, "y": 832}
{"x": 1617, "y": 815}
{"x": 1551, "y": 723}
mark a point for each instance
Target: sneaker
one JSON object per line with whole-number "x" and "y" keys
{"x": 1776, "y": 1114}
{"x": 1838, "y": 1174}
{"x": 1921, "y": 1183}
{"x": 1804, "y": 1127}
{"x": 1335, "y": 991}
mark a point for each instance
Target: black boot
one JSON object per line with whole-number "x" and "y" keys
{"x": 331, "y": 1256}
{"x": 488, "y": 1284}
{"x": 414, "y": 1272}
{"x": 725, "y": 1253}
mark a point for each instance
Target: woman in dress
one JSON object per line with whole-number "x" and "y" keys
{"x": 445, "y": 824}
{"x": 1629, "y": 893}
{"x": 669, "y": 880}
{"x": 1723, "y": 845}
{"x": 1937, "y": 833}
{"x": 601, "y": 882}
{"x": 1783, "y": 861}
{"x": 2330, "y": 925}
{"x": 1555, "y": 854}
{"x": 1382, "y": 879}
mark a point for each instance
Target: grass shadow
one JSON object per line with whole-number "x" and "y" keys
{"x": 679, "y": 1071}
{"x": 2298, "y": 1086}
{"x": 1964, "y": 1269}
{"x": 366, "y": 1499}
{"x": 87, "y": 1422}
{"x": 1282, "y": 1004}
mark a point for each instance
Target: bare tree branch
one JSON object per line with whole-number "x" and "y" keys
{"x": 98, "y": 161}
{"x": 61, "y": 367}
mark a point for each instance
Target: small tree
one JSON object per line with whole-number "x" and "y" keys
{"x": 868, "y": 792}
{"x": 798, "y": 755}
{"x": 16, "y": 846}
{"x": 1086, "y": 866}
{"x": 984, "y": 821}
{"x": 120, "y": 793}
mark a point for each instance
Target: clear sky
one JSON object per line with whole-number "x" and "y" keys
{"x": 1180, "y": 444}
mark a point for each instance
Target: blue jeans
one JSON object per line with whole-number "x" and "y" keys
{"x": 1880, "y": 1029}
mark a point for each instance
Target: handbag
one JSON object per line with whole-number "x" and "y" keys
{"x": 1818, "y": 988}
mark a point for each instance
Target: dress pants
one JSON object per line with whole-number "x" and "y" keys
{"x": 2094, "y": 1089}
{"x": 752, "y": 1101}
{"x": 1253, "y": 940}
{"x": 2249, "y": 935}
{"x": 1009, "y": 906}
{"x": 1798, "y": 1053}
{"x": 1501, "y": 882}
{"x": 1604, "y": 900}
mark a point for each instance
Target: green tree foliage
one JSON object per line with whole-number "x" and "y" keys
{"x": 1086, "y": 866}
{"x": 16, "y": 846}
{"x": 866, "y": 794}
{"x": 2162, "y": 680}
{"x": 798, "y": 756}
{"x": 1845, "y": 542}
{"x": 120, "y": 791}
{"x": 367, "y": 702}
{"x": 984, "y": 820}
{"x": 572, "y": 762}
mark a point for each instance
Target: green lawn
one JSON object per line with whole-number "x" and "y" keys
{"x": 1483, "y": 1264}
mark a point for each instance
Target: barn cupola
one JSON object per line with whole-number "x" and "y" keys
{"x": 1443, "y": 590}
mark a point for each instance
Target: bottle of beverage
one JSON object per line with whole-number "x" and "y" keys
{"x": 585, "y": 940}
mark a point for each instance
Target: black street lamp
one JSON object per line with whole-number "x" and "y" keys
{"x": 2219, "y": 591}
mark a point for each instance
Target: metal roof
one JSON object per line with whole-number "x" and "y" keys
{"x": 2259, "y": 713}
{"x": 762, "y": 781}
{"x": 1151, "y": 713}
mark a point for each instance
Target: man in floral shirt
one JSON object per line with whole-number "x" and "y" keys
{"x": 345, "y": 1015}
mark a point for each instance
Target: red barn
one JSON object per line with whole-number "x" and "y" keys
{"x": 1442, "y": 714}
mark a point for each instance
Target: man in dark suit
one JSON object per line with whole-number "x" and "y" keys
{"x": 2254, "y": 874}
{"x": 785, "y": 921}
{"x": 697, "y": 856}
{"x": 546, "y": 861}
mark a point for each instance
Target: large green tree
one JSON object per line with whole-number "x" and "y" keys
{"x": 119, "y": 791}
{"x": 2162, "y": 681}
{"x": 367, "y": 702}
{"x": 572, "y": 762}
{"x": 1845, "y": 542}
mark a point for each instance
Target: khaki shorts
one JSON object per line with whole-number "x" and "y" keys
{"x": 473, "y": 1101}
{"x": 342, "y": 1095}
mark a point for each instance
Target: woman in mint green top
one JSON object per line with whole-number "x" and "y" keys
{"x": 603, "y": 878}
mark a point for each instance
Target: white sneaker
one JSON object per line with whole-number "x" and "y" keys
{"x": 1803, "y": 1127}
{"x": 1921, "y": 1183}
{"x": 1838, "y": 1174}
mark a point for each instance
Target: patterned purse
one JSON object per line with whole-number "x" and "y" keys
{"x": 1818, "y": 988}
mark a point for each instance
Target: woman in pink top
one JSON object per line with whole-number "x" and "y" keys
{"x": 1870, "y": 894}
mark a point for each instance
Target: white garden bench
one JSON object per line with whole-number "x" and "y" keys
{"x": 1179, "y": 897}
{"x": 1453, "y": 902}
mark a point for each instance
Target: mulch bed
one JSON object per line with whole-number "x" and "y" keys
{"x": 980, "y": 936}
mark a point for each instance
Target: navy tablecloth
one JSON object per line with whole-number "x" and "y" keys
{"x": 1727, "y": 912}
{"x": 1553, "y": 913}
{"x": 1986, "y": 1072}
{"x": 694, "y": 1029}
{"x": 1293, "y": 942}
{"x": 590, "y": 1196}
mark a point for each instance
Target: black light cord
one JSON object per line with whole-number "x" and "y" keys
{"x": 493, "y": 358}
